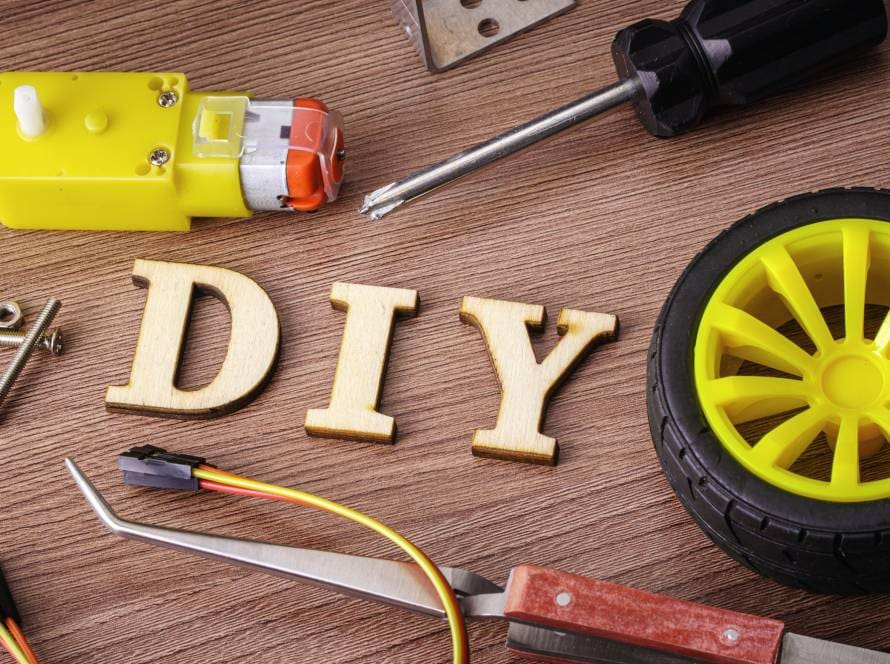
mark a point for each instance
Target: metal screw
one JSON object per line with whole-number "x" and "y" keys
{"x": 159, "y": 156}
{"x": 53, "y": 341}
{"x": 168, "y": 99}
{"x": 44, "y": 320}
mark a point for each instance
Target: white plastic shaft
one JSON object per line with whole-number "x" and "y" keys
{"x": 29, "y": 111}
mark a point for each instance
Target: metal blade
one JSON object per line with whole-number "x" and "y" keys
{"x": 578, "y": 648}
{"x": 561, "y": 646}
{"x": 804, "y": 650}
{"x": 391, "y": 582}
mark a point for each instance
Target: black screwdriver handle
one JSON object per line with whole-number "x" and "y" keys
{"x": 737, "y": 51}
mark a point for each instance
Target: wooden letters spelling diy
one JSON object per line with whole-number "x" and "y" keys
{"x": 526, "y": 384}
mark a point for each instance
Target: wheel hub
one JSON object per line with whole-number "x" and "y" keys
{"x": 853, "y": 381}
{"x": 792, "y": 348}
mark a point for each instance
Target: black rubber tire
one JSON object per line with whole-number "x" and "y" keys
{"x": 823, "y": 547}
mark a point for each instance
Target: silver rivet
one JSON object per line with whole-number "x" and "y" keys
{"x": 563, "y": 599}
{"x": 168, "y": 99}
{"x": 731, "y": 636}
{"x": 159, "y": 156}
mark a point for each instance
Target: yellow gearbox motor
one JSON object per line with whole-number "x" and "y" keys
{"x": 140, "y": 151}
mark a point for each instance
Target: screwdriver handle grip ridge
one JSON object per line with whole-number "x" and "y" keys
{"x": 732, "y": 52}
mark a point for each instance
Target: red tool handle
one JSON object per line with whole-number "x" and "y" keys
{"x": 570, "y": 603}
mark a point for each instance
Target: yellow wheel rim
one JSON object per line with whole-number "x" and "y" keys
{"x": 792, "y": 360}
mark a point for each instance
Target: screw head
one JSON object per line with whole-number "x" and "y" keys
{"x": 168, "y": 99}
{"x": 159, "y": 156}
{"x": 55, "y": 342}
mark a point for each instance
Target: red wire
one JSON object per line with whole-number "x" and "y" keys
{"x": 237, "y": 491}
{"x": 19, "y": 636}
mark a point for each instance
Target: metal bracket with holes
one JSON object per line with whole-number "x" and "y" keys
{"x": 447, "y": 32}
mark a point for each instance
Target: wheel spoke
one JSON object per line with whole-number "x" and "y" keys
{"x": 752, "y": 339}
{"x": 787, "y": 442}
{"x": 845, "y": 469}
{"x": 787, "y": 281}
{"x": 748, "y": 398}
{"x": 857, "y": 259}
{"x": 882, "y": 339}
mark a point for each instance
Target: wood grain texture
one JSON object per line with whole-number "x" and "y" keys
{"x": 603, "y": 218}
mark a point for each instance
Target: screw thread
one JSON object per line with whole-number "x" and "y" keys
{"x": 15, "y": 338}
{"x": 32, "y": 338}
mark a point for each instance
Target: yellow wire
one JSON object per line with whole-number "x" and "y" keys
{"x": 443, "y": 588}
{"x": 13, "y": 646}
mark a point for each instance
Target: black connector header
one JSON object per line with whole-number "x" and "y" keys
{"x": 8, "y": 608}
{"x": 155, "y": 467}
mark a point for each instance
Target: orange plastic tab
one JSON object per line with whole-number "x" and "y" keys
{"x": 315, "y": 160}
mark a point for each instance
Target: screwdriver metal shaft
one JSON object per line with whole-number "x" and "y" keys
{"x": 393, "y": 195}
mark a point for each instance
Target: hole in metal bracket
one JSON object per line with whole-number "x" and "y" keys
{"x": 489, "y": 27}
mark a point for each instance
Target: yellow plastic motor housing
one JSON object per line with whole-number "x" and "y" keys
{"x": 115, "y": 151}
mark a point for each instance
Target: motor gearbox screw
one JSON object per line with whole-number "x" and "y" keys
{"x": 159, "y": 156}
{"x": 168, "y": 99}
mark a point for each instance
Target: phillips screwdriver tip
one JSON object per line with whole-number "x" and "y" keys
{"x": 378, "y": 203}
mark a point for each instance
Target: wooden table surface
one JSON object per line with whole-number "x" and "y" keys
{"x": 603, "y": 218}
